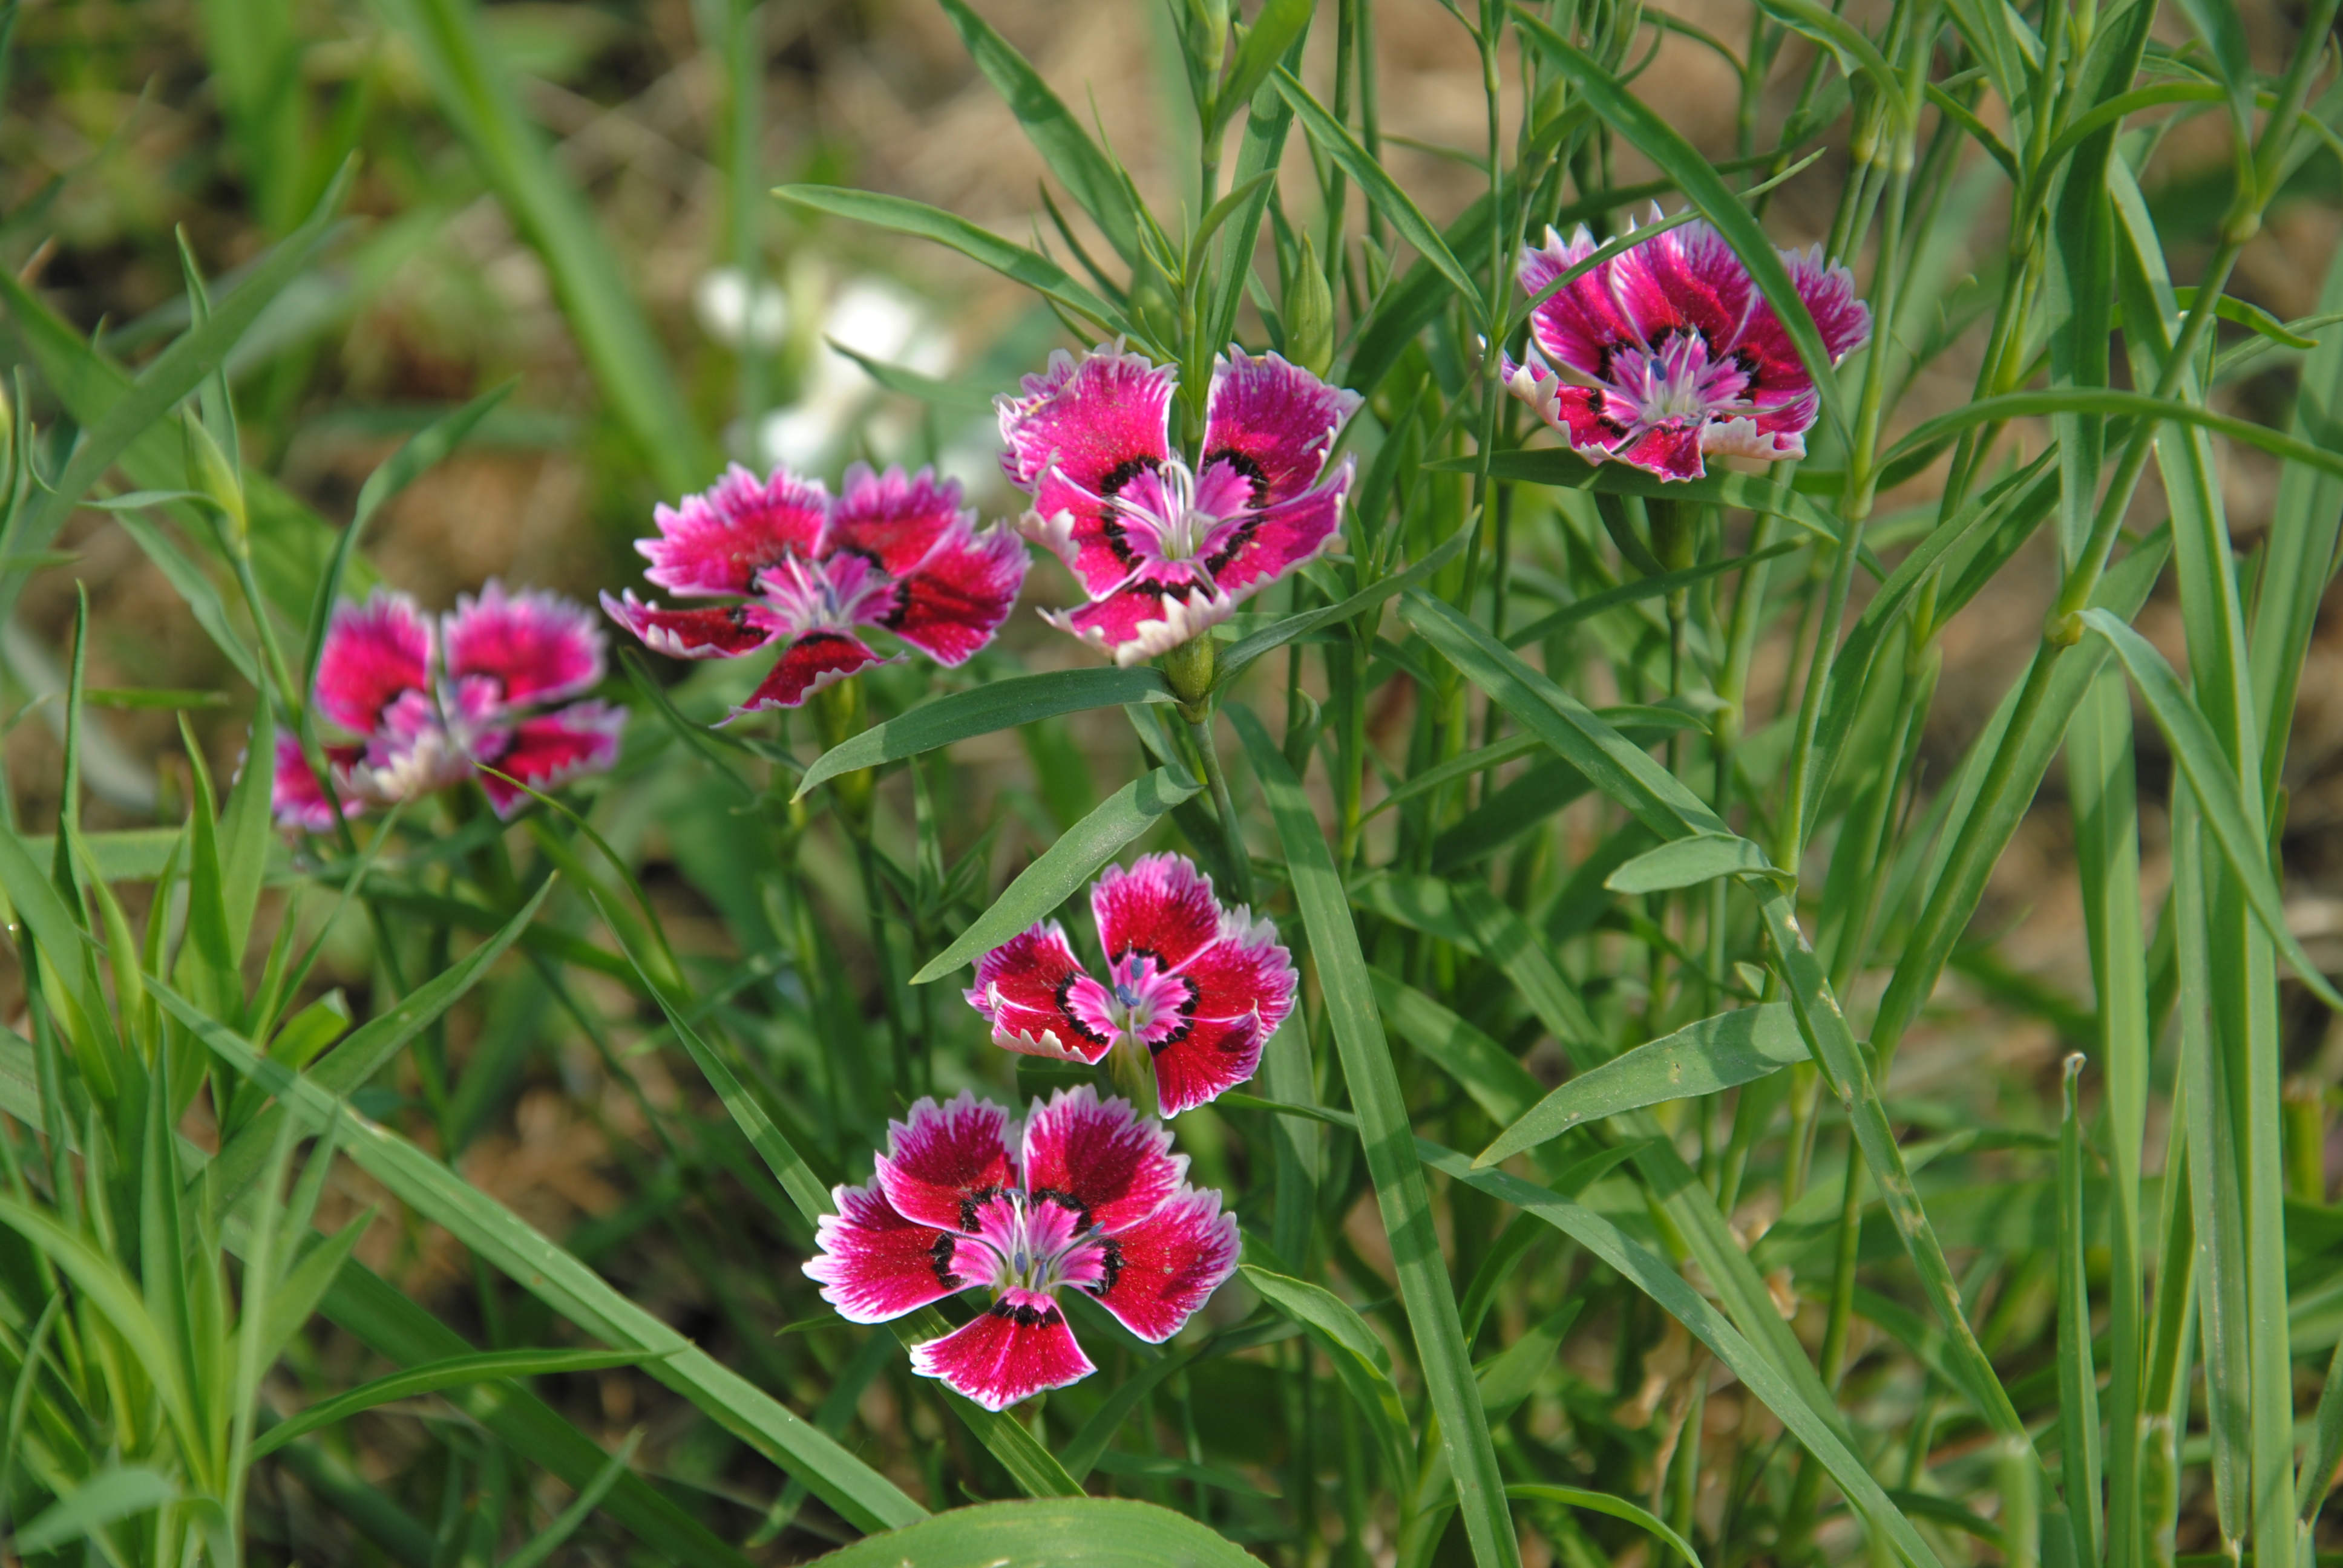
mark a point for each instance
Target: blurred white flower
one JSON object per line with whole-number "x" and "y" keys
{"x": 737, "y": 313}
{"x": 876, "y": 320}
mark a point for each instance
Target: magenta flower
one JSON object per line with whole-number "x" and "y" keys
{"x": 437, "y": 702}
{"x": 1686, "y": 357}
{"x": 1091, "y": 1198}
{"x": 894, "y": 551}
{"x": 1165, "y": 551}
{"x": 1192, "y": 986}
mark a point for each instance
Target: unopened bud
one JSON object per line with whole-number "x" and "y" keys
{"x": 211, "y": 474}
{"x": 1310, "y": 314}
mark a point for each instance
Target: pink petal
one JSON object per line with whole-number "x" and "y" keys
{"x": 1167, "y": 1265}
{"x": 817, "y": 660}
{"x": 1706, "y": 279}
{"x": 1828, "y": 290}
{"x": 1642, "y": 290}
{"x": 1019, "y": 1347}
{"x": 412, "y": 753}
{"x": 552, "y": 749}
{"x": 1576, "y": 412}
{"x": 1077, "y": 435}
{"x": 946, "y": 1160}
{"x": 373, "y": 651}
{"x": 894, "y": 518}
{"x": 1580, "y": 322}
{"x": 1097, "y": 421}
{"x": 716, "y": 542}
{"x": 1020, "y": 987}
{"x": 725, "y": 633}
{"x": 294, "y": 795}
{"x": 1161, "y": 905}
{"x": 1266, "y": 545}
{"x": 874, "y": 1264}
{"x": 1670, "y": 454}
{"x": 1274, "y": 421}
{"x": 537, "y": 646}
{"x": 1244, "y": 972}
{"x": 956, "y": 596}
{"x": 1100, "y": 1158}
{"x": 1204, "y": 1059}
{"x": 1153, "y": 613}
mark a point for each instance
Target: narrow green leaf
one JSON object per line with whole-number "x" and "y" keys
{"x": 1716, "y": 1053}
{"x": 1359, "y": 1361}
{"x": 1690, "y": 861}
{"x": 433, "y": 1377}
{"x": 1400, "y": 1193}
{"x": 1856, "y": 55}
{"x": 1065, "y": 866}
{"x": 2115, "y": 402}
{"x": 1014, "y": 262}
{"x": 1275, "y": 28}
{"x": 111, "y": 1494}
{"x": 1334, "y": 139}
{"x": 1056, "y": 135}
{"x": 983, "y": 709}
{"x": 509, "y": 1245}
{"x": 1498, "y": 1083}
{"x": 546, "y": 1541}
{"x": 2214, "y": 783}
{"x": 1233, "y": 660}
{"x": 1604, "y": 1503}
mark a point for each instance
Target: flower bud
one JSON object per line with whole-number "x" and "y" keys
{"x": 1309, "y": 313}
{"x": 211, "y": 474}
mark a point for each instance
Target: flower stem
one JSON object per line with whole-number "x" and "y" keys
{"x": 1240, "y": 860}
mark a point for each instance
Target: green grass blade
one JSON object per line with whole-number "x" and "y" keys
{"x": 1716, "y": 1053}
{"x": 507, "y": 1242}
{"x": 1236, "y": 658}
{"x": 1014, "y": 262}
{"x": 1361, "y": 1361}
{"x": 615, "y": 338}
{"x": 1065, "y": 866}
{"x": 1055, "y": 133}
{"x": 434, "y": 1377}
{"x": 546, "y": 1541}
{"x": 1484, "y": 1070}
{"x": 1334, "y": 139}
{"x": 113, "y": 1493}
{"x": 1400, "y": 1189}
{"x": 2079, "y": 1387}
{"x": 1604, "y": 1503}
{"x": 983, "y": 709}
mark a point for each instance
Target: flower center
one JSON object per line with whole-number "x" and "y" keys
{"x": 1038, "y": 1242}
{"x": 1162, "y": 516}
{"x": 835, "y": 592}
{"x": 1678, "y": 383}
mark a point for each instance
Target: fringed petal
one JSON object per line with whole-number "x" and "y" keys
{"x": 717, "y": 541}
{"x": 373, "y": 652}
{"x": 1153, "y": 613}
{"x": 894, "y": 518}
{"x": 1165, "y": 1267}
{"x": 725, "y": 633}
{"x": 531, "y": 646}
{"x": 1160, "y": 905}
{"x": 1672, "y": 453}
{"x": 1576, "y": 413}
{"x": 551, "y": 749}
{"x": 1076, "y": 435}
{"x": 874, "y": 1264}
{"x": 953, "y": 600}
{"x": 817, "y": 660}
{"x": 1021, "y": 988}
{"x": 1100, "y": 1159}
{"x": 1580, "y": 323}
{"x": 944, "y": 1162}
{"x": 1019, "y": 1347}
{"x": 1828, "y": 291}
{"x": 294, "y": 795}
{"x": 1263, "y": 546}
{"x": 1203, "y": 1059}
{"x": 1273, "y": 422}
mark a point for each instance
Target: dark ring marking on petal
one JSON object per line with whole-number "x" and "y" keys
{"x": 1218, "y": 561}
{"x": 1187, "y": 1010}
{"x": 975, "y": 1200}
{"x": 1117, "y": 539}
{"x": 1123, "y": 473}
{"x": 1073, "y": 1019}
{"x": 1255, "y": 474}
{"x": 940, "y": 1258}
{"x": 1749, "y": 364}
{"x": 1064, "y": 1200}
{"x": 1110, "y": 1266}
{"x": 1025, "y": 1315}
{"x": 892, "y": 616}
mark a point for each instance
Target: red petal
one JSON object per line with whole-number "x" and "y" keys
{"x": 1021, "y": 986}
{"x": 553, "y": 748}
{"x": 1272, "y": 420}
{"x": 874, "y": 1264}
{"x": 537, "y": 646}
{"x": 817, "y": 660}
{"x": 956, "y": 596}
{"x": 1160, "y": 905}
{"x": 1018, "y": 1349}
{"x": 725, "y": 633}
{"x": 893, "y": 518}
{"x": 373, "y": 652}
{"x": 1100, "y": 1158}
{"x": 943, "y": 1162}
{"x": 1167, "y": 1265}
{"x": 716, "y": 542}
